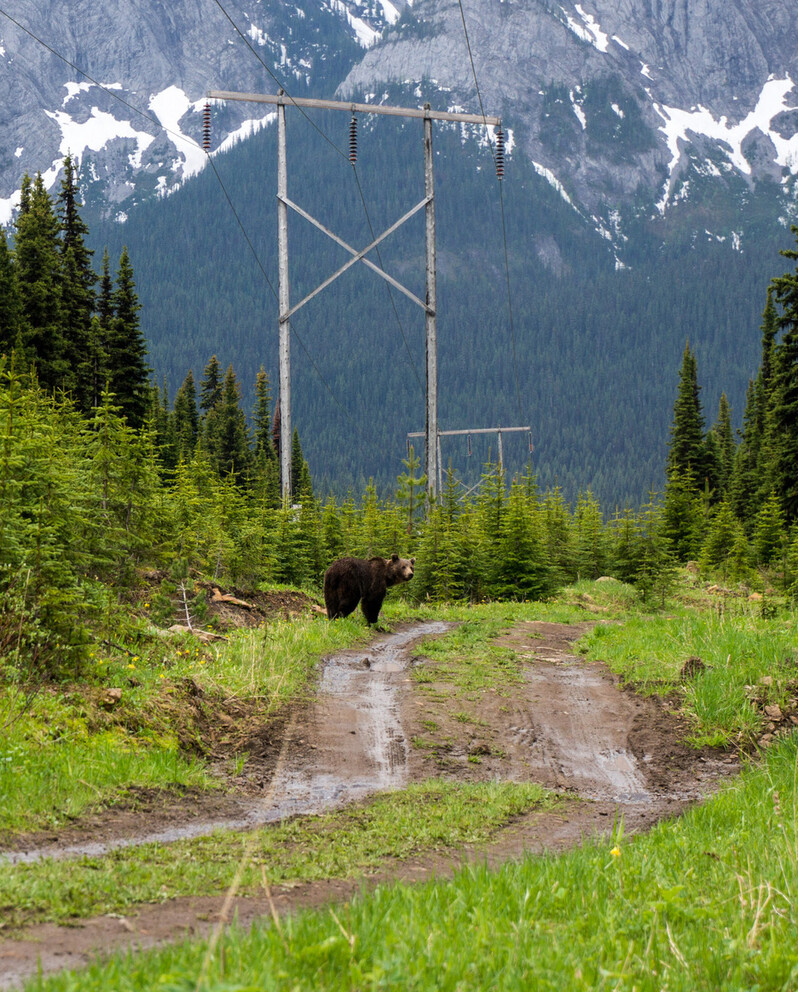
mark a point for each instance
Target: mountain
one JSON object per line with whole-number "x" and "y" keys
{"x": 652, "y": 153}
{"x": 622, "y": 106}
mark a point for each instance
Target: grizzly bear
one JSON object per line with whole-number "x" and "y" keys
{"x": 350, "y": 581}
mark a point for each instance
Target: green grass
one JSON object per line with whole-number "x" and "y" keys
{"x": 429, "y": 817}
{"x": 70, "y": 754}
{"x": 739, "y": 648}
{"x": 707, "y": 902}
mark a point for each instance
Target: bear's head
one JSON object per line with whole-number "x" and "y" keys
{"x": 399, "y": 569}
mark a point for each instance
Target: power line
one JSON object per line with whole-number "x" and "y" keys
{"x": 154, "y": 120}
{"x": 280, "y": 83}
{"x": 504, "y": 224}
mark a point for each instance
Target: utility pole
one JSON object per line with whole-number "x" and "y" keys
{"x": 429, "y": 304}
{"x": 431, "y": 432}
{"x": 284, "y": 304}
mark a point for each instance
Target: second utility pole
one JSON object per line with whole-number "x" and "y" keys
{"x": 431, "y": 421}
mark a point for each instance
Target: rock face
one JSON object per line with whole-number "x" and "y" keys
{"x": 616, "y": 102}
{"x": 611, "y": 97}
{"x": 121, "y": 84}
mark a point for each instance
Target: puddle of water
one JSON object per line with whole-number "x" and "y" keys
{"x": 359, "y": 747}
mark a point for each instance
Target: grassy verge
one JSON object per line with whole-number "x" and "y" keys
{"x": 434, "y": 816}
{"x": 145, "y": 719}
{"x": 746, "y": 663}
{"x": 707, "y": 902}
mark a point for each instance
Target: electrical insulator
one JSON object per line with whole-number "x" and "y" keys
{"x": 353, "y": 140}
{"x": 469, "y": 445}
{"x": 531, "y": 446}
{"x": 206, "y": 127}
{"x": 499, "y": 153}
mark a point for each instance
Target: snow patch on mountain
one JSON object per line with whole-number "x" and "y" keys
{"x": 589, "y": 30}
{"x": 366, "y": 35}
{"x": 95, "y": 134}
{"x": 679, "y": 124}
{"x": 170, "y": 106}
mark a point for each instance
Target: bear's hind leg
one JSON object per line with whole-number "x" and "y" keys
{"x": 371, "y": 609}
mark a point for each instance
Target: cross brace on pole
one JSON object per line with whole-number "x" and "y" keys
{"x": 281, "y": 100}
{"x": 477, "y": 430}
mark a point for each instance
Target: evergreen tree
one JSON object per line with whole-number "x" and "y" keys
{"x": 521, "y": 567}
{"x": 37, "y": 249}
{"x": 745, "y": 479}
{"x": 410, "y": 486}
{"x": 186, "y": 418}
{"x": 226, "y": 432}
{"x": 683, "y": 517}
{"x": 300, "y": 473}
{"x": 77, "y": 292}
{"x": 262, "y": 435}
{"x": 723, "y": 437}
{"x": 211, "y": 385}
{"x": 785, "y": 391}
{"x": 127, "y": 350}
{"x": 559, "y": 543}
{"x": 11, "y": 326}
{"x": 590, "y": 539}
{"x": 725, "y": 547}
{"x": 98, "y": 370}
{"x": 656, "y": 567}
{"x": 686, "y": 454}
{"x": 770, "y": 535}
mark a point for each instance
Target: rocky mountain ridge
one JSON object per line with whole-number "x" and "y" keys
{"x": 622, "y": 106}
{"x": 618, "y": 104}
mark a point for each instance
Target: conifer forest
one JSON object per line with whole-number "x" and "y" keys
{"x": 104, "y": 477}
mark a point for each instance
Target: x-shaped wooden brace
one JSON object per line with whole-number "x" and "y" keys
{"x": 357, "y": 256}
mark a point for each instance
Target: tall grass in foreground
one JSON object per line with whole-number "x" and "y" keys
{"x": 706, "y": 902}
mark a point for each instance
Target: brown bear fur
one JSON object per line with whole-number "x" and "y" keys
{"x": 350, "y": 581}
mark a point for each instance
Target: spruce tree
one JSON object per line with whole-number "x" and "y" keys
{"x": 37, "y": 249}
{"x": 77, "y": 291}
{"x": 745, "y": 478}
{"x": 262, "y": 434}
{"x": 127, "y": 350}
{"x": 300, "y": 473}
{"x": 724, "y": 437}
{"x": 770, "y": 534}
{"x": 211, "y": 385}
{"x": 11, "y": 333}
{"x": 226, "y": 432}
{"x": 686, "y": 453}
{"x": 785, "y": 391}
{"x": 410, "y": 487}
{"x": 186, "y": 418}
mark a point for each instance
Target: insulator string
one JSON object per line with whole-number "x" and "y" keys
{"x": 353, "y": 140}
{"x": 206, "y": 127}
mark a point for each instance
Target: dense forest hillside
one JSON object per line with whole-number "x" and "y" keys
{"x": 581, "y": 350}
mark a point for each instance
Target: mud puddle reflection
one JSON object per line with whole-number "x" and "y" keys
{"x": 347, "y": 745}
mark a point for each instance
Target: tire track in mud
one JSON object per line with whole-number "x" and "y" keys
{"x": 347, "y": 744}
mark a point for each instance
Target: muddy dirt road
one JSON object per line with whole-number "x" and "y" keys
{"x": 567, "y": 725}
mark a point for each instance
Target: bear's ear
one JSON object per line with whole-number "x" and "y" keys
{"x": 412, "y": 561}
{"x": 394, "y": 557}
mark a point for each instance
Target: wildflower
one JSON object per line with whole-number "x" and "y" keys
{"x": 616, "y": 852}
{"x": 131, "y": 665}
